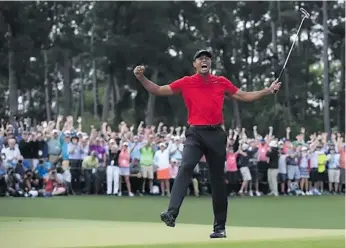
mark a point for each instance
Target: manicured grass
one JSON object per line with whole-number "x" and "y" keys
{"x": 324, "y": 212}
{"x": 299, "y": 243}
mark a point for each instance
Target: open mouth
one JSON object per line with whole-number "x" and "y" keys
{"x": 204, "y": 66}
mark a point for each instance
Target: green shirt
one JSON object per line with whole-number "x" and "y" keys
{"x": 90, "y": 162}
{"x": 147, "y": 156}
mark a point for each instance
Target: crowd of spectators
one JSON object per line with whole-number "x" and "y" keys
{"x": 58, "y": 158}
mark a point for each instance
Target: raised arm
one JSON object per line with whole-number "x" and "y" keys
{"x": 151, "y": 87}
{"x": 252, "y": 95}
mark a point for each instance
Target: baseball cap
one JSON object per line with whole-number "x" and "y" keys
{"x": 201, "y": 52}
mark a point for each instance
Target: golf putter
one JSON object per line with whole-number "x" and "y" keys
{"x": 306, "y": 16}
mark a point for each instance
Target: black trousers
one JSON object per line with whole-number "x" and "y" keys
{"x": 210, "y": 141}
{"x": 76, "y": 171}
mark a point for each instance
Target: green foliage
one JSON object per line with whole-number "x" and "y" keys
{"x": 110, "y": 38}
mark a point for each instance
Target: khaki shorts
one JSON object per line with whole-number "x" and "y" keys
{"x": 147, "y": 171}
{"x": 333, "y": 175}
{"x": 245, "y": 173}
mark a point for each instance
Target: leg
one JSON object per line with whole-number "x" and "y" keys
{"x": 191, "y": 155}
{"x": 143, "y": 185}
{"x": 167, "y": 186}
{"x": 162, "y": 186}
{"x": 195, "y": 186}
{"x": 120, "y": 182}
{"x": 116, "y": 180}
{"x": 216, "y": 161}
{"x": 151, "y": 178}
{"x": 144, "y": 173}
{"x": 269, "y": 181}
{"x": 274, "y": 176}
{"x": 330, "y": 179}
{"x": 110, "y": 175}
{"x": 336, "y": 181}
{"x": 128, "y": 184}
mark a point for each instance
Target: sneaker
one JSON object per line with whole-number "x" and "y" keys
{"x": 303, "y": 193}
{"x": 258, "y": 193}
{"x": 131, "y": 194}
{"x": 120, "y": 194}
{"x": 168, "y": 219}
{"x": 218, "y": 234}
{"x": 251, "y": 193}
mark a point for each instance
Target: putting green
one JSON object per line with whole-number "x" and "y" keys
{"x": 58, "y": 233}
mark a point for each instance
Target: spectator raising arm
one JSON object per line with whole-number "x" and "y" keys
{"x": 79, "y": 121}
{"x": 288, "y": 131}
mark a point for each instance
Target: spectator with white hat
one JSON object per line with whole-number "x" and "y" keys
{"x": 304, "y": 171}
{"x": 176, "y": 150}
{"x": 161, "y": 161}
{"x": 273, "y": 155}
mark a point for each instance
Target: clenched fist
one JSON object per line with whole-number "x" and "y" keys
{"x": 139, "y": 71}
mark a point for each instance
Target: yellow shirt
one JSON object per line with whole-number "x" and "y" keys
{"x": 90, "y": 162}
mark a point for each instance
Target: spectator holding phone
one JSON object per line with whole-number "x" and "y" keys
{"x": 333, "y": 159}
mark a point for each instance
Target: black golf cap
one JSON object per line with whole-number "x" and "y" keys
{"x": 201, "y": 52}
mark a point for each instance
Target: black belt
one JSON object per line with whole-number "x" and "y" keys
{"x": 207, "y": 126}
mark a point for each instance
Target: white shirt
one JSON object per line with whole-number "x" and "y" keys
{"x": 161, "y": 158}
{"x": 11, "y": 154}
{"x": 314, "y": 159}
{"x": 282, "y": 164}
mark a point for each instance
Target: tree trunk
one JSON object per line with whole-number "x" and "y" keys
{"x": 12, "y": 80}
{"x": 106, "y": 96}
{"x": 94, "y": 79}
{"x": 342, "y": 91}
{"x": 150, "y": 112}
{"x": 117, "y": 110}
{"x": 81, "y": 92}
{"x": 325, "y": 70}
{"x": 47, "y": 86}
{"x": 56, "y": 92}
{"x": 273, "y": 24}
{"x": 67, "y": 84}
{"x": 288, "y": 115}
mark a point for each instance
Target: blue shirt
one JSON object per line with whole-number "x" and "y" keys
{"x": 42, "y": 169}
{"x": 136, "y": 152}
{"x": 64, "y": 151}
{"x": 3, "y": 170}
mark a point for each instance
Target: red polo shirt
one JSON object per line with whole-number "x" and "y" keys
{"x": 203, "y": 97}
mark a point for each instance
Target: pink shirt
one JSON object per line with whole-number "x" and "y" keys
{"x": 231, "y": 162}
{"x": 124, "y": 158}
{"x": 262, "y": 151}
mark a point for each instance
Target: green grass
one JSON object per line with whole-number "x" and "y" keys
{"x": 325, "y": 212}
{"x": 298, "y": 243}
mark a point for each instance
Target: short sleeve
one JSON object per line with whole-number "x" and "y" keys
{"x": 229, "y": 86}
{"x": 177, "y": 85}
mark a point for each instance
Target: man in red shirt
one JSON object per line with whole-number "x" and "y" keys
{"x": 203, "y": 94}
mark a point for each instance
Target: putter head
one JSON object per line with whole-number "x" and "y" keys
{"x": 305, "y": 13}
